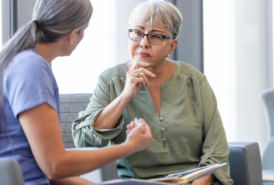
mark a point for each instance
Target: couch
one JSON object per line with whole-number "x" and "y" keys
{"x": 245, "y": 160}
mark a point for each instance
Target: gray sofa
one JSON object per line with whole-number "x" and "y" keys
{"x": 245, "y": 160}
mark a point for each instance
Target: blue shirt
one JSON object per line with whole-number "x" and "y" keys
{"x": 28, "y": 82}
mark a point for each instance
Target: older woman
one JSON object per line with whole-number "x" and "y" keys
{"x": 30, "y": 131}
{"x": 173, "y": 97}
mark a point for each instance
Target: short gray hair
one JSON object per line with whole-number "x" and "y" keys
{"x": 159, "y": 10}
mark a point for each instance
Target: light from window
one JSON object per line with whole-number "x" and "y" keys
{"x": 79, "y": 72}
{"x": 0, "y": 25}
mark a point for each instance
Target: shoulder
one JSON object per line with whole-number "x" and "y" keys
{"x": 27, "y": 62}
{"x": 112, "y": 73}
{"x": 27, "y": 67}
{"x": 190, "y": 71}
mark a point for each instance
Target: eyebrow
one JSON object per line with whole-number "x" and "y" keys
{"x": 153, "y": 30}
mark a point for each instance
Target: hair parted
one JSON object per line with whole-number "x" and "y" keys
{"x": 155, "y": 11}
{"x": 56, "y": 18}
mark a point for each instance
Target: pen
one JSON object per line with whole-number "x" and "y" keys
{"x": 137, "y": 121}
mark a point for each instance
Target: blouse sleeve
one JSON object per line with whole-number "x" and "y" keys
{"x": 83, "y": 131}
{"x": 215, "y": 148}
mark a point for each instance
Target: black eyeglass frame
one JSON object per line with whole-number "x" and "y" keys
{"x": 164, "y": 37}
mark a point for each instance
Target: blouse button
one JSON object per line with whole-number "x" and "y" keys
{"x": 161, "y": 118}
{"x": 211, "y": 149}
{"x": 164, "y": 139}
{"x": 163, "y": 129}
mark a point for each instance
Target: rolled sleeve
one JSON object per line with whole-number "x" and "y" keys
{"x": 215, "y": 147}
{"x": 83, "y": 131}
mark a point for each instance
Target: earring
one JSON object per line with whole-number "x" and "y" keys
{"x": 71, "y": 43}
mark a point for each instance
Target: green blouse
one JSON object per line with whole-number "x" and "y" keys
{"x": 187, "y": 133}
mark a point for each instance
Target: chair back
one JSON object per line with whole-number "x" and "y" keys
{"x": 71, "y": 105}
{"x": 245, "y": 163}
{"x": 268, "y": 157}
{"x": 10, "y": 172}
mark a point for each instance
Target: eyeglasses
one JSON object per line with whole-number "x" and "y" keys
{"x": 137, "y": 36}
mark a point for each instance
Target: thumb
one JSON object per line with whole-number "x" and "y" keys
{"x": 143, "y": 125}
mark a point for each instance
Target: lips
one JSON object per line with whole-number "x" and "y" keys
{"x": 141, "y": 54}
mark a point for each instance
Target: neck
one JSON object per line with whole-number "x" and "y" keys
{"x": 163, "y": 71}
{"x": 49, "y": 51}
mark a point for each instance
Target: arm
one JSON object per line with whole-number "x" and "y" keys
{"x": 71, "y": 181}
{"x": 215, "y": 147}
{"x": 111, "y": 113}
{"x": 41, "y": 126}
{"x": 103, "y": 119}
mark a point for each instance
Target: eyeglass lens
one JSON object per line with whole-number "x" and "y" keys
{"x": 152, "y": 38}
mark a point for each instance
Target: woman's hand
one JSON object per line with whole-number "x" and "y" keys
{"x": 207, "y": 180}
{"x": 138, "y": 136}
{"x": 136, "y": 78}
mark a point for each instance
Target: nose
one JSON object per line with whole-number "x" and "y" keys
{"x": 144, "y": 42}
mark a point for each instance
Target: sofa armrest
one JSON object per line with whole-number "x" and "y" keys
{"x": 109, "y": 171}
{"x": 10, "y": 172}
{"x": 245, "y": 163}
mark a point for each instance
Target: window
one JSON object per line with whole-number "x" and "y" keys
{"x": 0, "y": 25}
{"x": 78, "y": 73}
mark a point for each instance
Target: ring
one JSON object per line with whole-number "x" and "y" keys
{"x": 137, "y": 74}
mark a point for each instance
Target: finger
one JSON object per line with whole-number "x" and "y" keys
{"x": 140, "y": 80}
{"x": 133, "y": 124}
{"x": 144, "y": 77}
{"x": 137, "y": 65}
{"x": 142, "y": 127}
{"x": 145, "y": 71}
{"x": 147, "y": 128}
{"x": 134, "y": 79}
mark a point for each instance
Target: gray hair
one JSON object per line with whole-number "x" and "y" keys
{"x": 157, "y": 10}
{"x": 55, "y": 19}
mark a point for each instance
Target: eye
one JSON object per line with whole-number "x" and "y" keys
{"x": 156, "y": 36}
{"x": 138, "y": 33}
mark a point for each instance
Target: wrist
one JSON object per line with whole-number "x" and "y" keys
{"x": 125, "y": 97}
{"x": 129, "y": 148}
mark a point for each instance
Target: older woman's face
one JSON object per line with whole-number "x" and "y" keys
{"x": 150, "y": 53}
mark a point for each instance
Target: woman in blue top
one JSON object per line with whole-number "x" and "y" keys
{"x": 30, "y": 131}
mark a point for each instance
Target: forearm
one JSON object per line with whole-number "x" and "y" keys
{"x": 75, "y": 162}
{"x": 207, "y": 180}
{"x": 71, "y": 181}
{"x": 108, "y": 118}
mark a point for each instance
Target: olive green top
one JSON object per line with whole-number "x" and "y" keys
{"x": 188, "y": 132}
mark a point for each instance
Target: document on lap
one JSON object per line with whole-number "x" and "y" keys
{"x": 179, "y": 178}
{"x": 190, "y": 175}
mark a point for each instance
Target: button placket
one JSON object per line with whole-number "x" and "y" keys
{"x": 162, "y": 130}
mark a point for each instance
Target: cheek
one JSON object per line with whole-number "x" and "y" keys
{"x": 132, "y": 48}
{"x": 161, "y": 51}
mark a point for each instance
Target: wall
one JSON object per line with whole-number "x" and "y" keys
{"x": 236, "y": 64}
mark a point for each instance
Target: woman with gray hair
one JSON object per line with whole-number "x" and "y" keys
{"x": 30, "y": 130}
{"x": 173, "y": 97}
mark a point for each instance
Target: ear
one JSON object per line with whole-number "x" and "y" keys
{"x": 72, "y": 35}
{"x": 173, "y": 46}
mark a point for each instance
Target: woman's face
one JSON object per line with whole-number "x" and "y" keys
{"x": 150, "y": 53}
{"x": 75, "y": 39}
